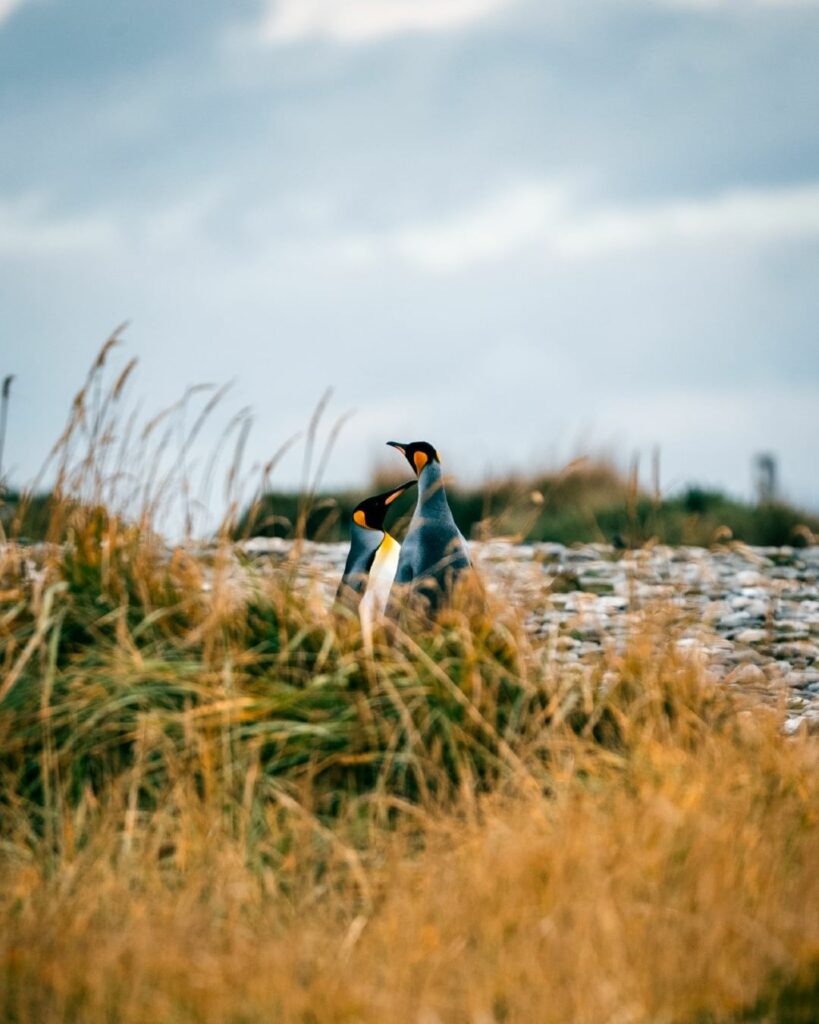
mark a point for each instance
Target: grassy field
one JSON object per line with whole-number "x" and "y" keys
{"x": 216, "y": 807}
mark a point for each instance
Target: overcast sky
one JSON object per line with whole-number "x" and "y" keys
{"x": 519, "y": 230}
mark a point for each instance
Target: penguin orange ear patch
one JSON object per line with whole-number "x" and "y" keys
{"x": 360, "y": 518}
{"x": 420, "y": 459}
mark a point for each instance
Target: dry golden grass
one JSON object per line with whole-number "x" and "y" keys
{"x": 671, "y": 883}
{"x": 218, "y": 807}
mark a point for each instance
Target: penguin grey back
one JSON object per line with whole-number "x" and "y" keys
{"x": 364, "y": 543}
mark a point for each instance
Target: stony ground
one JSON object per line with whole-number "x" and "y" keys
{"x": 752, "y": 614}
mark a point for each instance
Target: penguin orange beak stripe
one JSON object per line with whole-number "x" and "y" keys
{"x": 399, "y": 491}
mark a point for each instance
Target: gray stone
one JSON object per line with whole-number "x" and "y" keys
{"x": 751, "y": 636}
{"x": 733, "y": 621}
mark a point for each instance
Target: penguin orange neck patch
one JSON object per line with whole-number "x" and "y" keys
{"x": 420, "y": 459}
{"x": 360, "y": 518}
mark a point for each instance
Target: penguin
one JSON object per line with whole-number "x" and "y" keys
{"x": 434, "y": 552}
{"x": 372, "y": 559}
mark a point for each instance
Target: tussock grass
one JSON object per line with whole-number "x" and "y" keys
{"x": 216, "y": 805}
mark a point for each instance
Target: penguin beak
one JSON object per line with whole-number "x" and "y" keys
{"x": 400, "y": 447}
{"x": 399, "y": 491}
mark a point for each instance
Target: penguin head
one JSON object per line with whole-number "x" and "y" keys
{"x": 371, "y": 512}
{"x": 417, "y": 453}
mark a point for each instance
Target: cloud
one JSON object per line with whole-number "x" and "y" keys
{"x": 737, "y": 5}
{"x": 542, "y": 219}
{"x": 548, "y": 217}
{"x": 360, "y": 21}
{"x": 750, "y": 215}
{"x": 28, "y": 228}
{"x": 501, "y": 225}
{"x": 8, "y": 7}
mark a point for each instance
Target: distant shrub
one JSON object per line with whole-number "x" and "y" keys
{"x": 582, "y": 507}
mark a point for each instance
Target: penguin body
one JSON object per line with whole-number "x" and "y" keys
{"x": 372, "y": 560}
{"x": 379, "y": 582}
{"x": 364, "y": 545}
{"x": 434, "y": 552}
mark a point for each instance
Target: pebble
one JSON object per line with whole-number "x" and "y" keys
{"x": 748, "y": 675}
{"x": 751, "y": 636}
{"x": 732, "y": 621}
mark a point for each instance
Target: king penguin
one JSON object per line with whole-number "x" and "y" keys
{"x": 434, "y": 552}
{"x": 372, "y": 560}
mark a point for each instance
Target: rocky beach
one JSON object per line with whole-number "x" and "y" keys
{"x": 750, "y": 614}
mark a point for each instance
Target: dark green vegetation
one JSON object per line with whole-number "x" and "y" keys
{"x": 587, "y": 503}
{"x": 788, "y": 1001}
{"x": 28, "y": 521}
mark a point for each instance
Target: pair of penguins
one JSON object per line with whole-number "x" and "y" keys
{"x": 432, "y": 556}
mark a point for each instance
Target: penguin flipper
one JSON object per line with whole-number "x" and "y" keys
{"x": 354, "y": 582}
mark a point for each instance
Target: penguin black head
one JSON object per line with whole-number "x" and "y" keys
{"x": 371, "y": 512}
{"x": 417, "y": 453}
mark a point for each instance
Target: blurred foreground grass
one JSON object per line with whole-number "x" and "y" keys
{"x": 217, "y": 808}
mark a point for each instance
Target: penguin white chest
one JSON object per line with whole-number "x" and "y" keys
{"x": 380, "y": 579}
